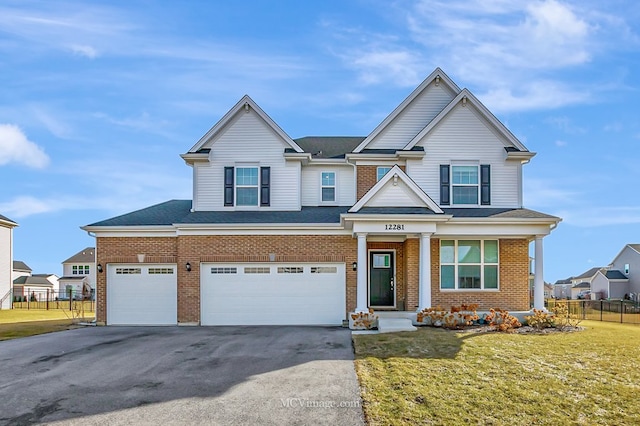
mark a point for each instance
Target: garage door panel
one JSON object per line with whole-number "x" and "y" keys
{"x": 276, "y": 298}
{"x": 142, "y": 294}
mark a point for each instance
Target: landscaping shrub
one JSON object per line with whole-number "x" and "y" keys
{"x": 501, "y": 320}
{"x": 540, "y": 319}
{"x": 564, "y": 319}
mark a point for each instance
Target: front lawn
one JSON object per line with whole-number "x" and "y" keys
{"x": 16, "y": 323}
{"x": 435, "y": 376}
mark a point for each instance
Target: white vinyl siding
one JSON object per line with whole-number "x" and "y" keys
{"x": 399, "y": 195}
{"x": 6, "y": 265}
{"x": 312, "y": 191}
{"x": 464, "y": 136}
{"x": 414, "y": 118}
{"x": 247, "y": 139}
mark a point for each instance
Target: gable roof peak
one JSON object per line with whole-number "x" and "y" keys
{"x": 247, "y": 104}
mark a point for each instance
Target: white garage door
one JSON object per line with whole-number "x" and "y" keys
{"x": 142, "y": 294}
{"x": 272, "y": 293}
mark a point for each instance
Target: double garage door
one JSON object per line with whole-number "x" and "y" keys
{"x": 230, "y": 294}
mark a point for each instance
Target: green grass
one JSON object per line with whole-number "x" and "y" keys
{"x": 15, "y": 323}
{"x": 441, "y": 377}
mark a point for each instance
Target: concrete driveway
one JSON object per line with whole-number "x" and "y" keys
{"x": 181, "y": 375}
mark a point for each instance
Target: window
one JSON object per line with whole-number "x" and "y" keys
{"x": 382, "y": 171}
{"x": 224, "y": 270}
{"x": 257, "y": 270}
{"x": 80, "y": 269}
{"x": 626, "y": 269}
{"x": 469, "y": 264}
{"x": 465, "y": 185}
{"x": 328, "y": 186}
{"x": 290, "y": 269}
{"x": 246, "y": 186}
{"x": 160, "y": 271}
{"x": 128, "y": 271}
{"x": 324, "y": 270}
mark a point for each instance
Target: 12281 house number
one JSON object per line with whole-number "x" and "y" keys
{"x": 394, "y": 227}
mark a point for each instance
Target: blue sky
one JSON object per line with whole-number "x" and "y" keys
{"x": 100, "y": 98}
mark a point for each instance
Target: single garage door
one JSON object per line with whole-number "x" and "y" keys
{"x": 272, "y": 293}
{"x": 142, "y": 294}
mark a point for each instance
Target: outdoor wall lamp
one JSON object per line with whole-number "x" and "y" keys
{"x": 99, "y": 267}
{"x": 188, "y": 266}
{"x": 354, "y": 265}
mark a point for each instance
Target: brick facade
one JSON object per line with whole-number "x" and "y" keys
{"x": 367, "y": 177}
{"x": 514, "y": 266}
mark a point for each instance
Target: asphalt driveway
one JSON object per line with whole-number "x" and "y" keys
{"x": 181, "y": 375}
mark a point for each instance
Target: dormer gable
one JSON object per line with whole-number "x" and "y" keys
{"x": 396, "y": 189}
{"x": 245, "y": 105}
{"x": 418, "y": 109}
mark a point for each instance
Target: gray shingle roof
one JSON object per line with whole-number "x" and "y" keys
{"x": 19, "y": 265}
{"x": 636, "y": 247}
{"x": 566, "y": 281}
{"x": 615, "y": 275}
{"x": 179, "y": 212}
{"x": 87, "y": 255}
{"x": 583, "y": 284}
{"x": 329, "y": 146}
{"x": 39, "y": 281}
{"x": 72, "y": 278}
{"x": 588, "y": 274}
{"x": 6, "y": 219}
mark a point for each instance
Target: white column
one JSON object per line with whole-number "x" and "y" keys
{"x": 361, "y": 289}
{"x": 538, "y": 282}
{"x": 424, "y": 288}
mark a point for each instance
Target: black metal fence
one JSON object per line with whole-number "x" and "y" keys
{"x": 623, "y": 311}
{"x": 48, "y": 299}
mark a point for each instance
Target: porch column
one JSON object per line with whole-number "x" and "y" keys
{"x": 538, "y": 281}
{"x": 424, "y": 287}
{"x": 361, "y": 289}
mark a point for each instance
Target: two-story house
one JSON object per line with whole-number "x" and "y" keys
{"x": 78, "y": 274}
{"x": 621, "y": 279}
{"x": 6, "y": 261}
{"x": 426, "y": 210}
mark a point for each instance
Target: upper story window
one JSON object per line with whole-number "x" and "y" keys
{"x": 246, "y": 186}
{"x": 328, "y": 187}
{"x": 381, "y": 172}
{"x": 465, "y": 185}
{"x": 80, "y": 269}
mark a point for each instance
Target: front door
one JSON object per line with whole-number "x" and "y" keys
{"x": 381, "y": 279}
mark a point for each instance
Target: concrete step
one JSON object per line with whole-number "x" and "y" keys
{"x": 393, "y": 325}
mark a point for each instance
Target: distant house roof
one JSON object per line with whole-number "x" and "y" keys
{"x": 45, "y": 275}
{"x": 588, "y": 274}
{"x": 636, "y": 247}
{"x": 73, "y": 278}
{"x": 8, "y": 221}
{"x": 615, "y": 275}
{"x": 179, "y": 212}
{"x": 35, "y": 281}
{"x": 87, "y": 255}
{"x": 583, "y": 284}
{"x": 19, "y": 265}
{"x": 565, "y": 281}
{"x": 329, "y": 146}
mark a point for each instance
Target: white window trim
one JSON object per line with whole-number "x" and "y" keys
{"x": 378, "y": 177}
{"x": 482, "y": 264}
{"x": 236, "y": 186}
{"x": 334, "y": 186}
{"x": 452, "y": 185}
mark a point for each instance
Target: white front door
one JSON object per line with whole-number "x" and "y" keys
{"x": 142, "y": 294}
{"x": 272, "y": 293}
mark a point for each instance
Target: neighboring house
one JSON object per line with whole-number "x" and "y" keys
{"x": 579, "y": 290}
{"x": 78, "y": 274}
{"x": 20, "y": 269}
{"x": 548, "y": 290}
{"x": 622, "y": 278}
{"x": 562, "y": 289}
{"x": 36, "y": 287}
{"x": 6, "y": 260}
{"x": 424, "y": 211}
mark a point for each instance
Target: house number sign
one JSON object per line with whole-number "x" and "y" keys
{"x": 394, "y": 227}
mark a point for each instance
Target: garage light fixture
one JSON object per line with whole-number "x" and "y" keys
{"x": 99, "y": 267}
{"x": 354, "y": 265}
{"x": 188, "y": 266}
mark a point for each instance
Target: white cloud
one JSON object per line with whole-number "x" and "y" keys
{"x": 84, "y": 50}
{"x": 16, "y": 148}
{"x": 561, "y": 144}
{"x": 24, "y": 206}
{"x": 541, "y": 193}
{"x": 566, "y": 125}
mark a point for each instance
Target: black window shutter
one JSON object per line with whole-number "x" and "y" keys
{"x": 228, "y": 186}
{"x": 445, "y": 187}
{"x": 485, "y": 184}
{"x": 265, "y": 185}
